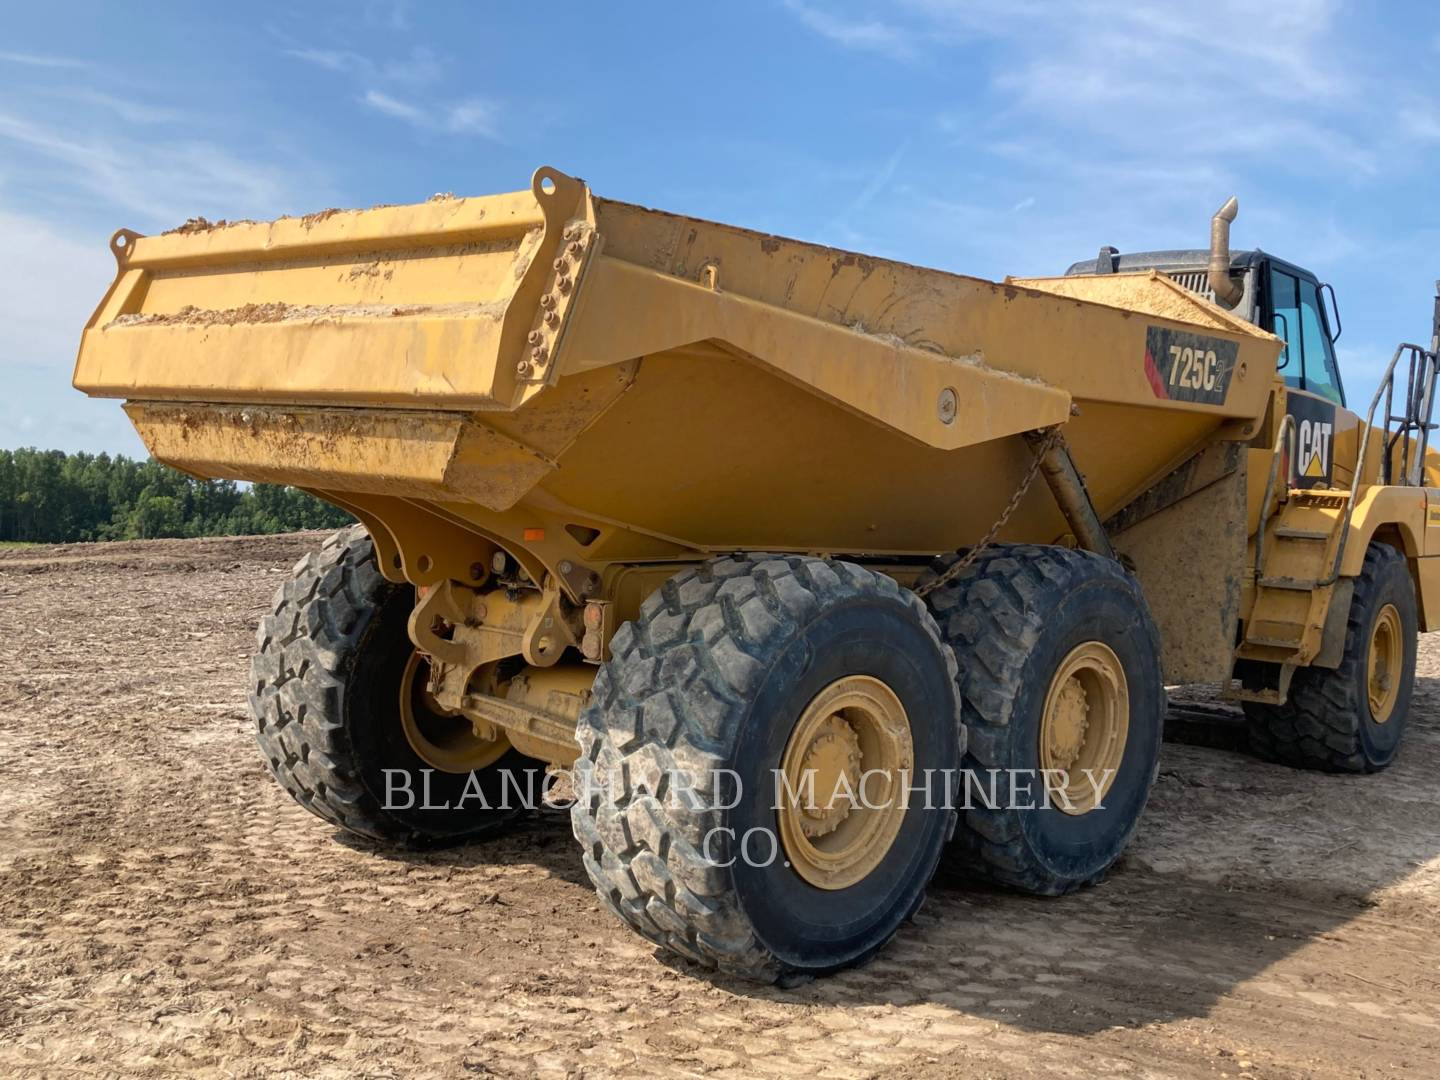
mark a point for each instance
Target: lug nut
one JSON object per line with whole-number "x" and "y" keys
{"x": 536, "y": 337}
{"x": 522, "y": 368}
{"x": 561, "y": 265}
{"x": 563, "y": 284}
{"x": 547, "y": 301}
{"x": 538, "y": 354}
{"x": 576, "y": 249}
{"x": 552, "y": 318}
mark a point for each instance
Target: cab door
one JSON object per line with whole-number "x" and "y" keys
{"x": 1316, "y": 397}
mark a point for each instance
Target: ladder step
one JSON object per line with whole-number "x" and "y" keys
{"x": 1275, "y": 642}
{"x": 1236, "y": 690}
{"x": 1293, "y": 584}
{"x": 1291, "y": 533}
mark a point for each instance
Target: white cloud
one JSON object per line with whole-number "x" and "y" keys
{"x": 41, "y": 60}
{"x": 878, "y": 182}
{"x": 420, "y": 67}
{"x": 50, "y": 281}
{"x": 1148, "y": 78}
{"x": 162, "y": 181}
{"x": 399, "y": 109}
{"x": 331, "y": 59}
{"x": 474, "y": 116}
{"x": 869, "y": 34}
{"x": 1420, "y": 121}
{"x": 391, "y": 86}
{"x": 132, "y": 112}
{"x": 110, "y": 162}
{"x": 388, "y": 14}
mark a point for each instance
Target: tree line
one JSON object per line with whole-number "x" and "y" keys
{"x": 50, "y": 496}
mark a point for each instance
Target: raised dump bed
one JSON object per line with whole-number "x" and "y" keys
{"x": 674, "y": 384}
{"x": 662, "y": 498}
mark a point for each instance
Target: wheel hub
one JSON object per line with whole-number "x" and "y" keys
{"x": 445, "y": 741}
{"x": 1069, "y": 725}
{"x": 1386, "y": 657}
{"x": 833, "y": 758}
{"x": 1084, "y": 727}
{"x": 846, "y": 769}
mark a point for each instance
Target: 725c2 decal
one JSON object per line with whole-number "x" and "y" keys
{"x": 1182, "y": 366}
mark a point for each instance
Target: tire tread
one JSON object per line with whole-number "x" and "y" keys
{"x": 670, "y": 700}
{"x": 992, "y": 616}
{"x": 1318, "y": 726}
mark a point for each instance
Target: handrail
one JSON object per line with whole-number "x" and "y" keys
{"x": 1419, "y": 409}
{"x": 1423, "y": 368}
{"x": 1417, "y": 420}
{"x": 1287, "y": 427}
{"x": 1417, "y": 467}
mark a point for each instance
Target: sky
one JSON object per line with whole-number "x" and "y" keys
{"x": 985, "y": 137}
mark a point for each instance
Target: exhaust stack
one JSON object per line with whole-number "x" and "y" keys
{"x": 1227, "y": 291}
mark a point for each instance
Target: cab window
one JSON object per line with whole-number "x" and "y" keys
{"x": 1308, "y": 361}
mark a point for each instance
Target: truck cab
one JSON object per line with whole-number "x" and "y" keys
{"x": 1278, "y": 296}
{"x": 1275, "y": 295}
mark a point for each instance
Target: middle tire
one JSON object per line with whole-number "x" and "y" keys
{"x": 736, "y": 669}
{"x": 1060, "y": 671}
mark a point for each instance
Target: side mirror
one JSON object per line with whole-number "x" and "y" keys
{"x": 1333, "y": 312}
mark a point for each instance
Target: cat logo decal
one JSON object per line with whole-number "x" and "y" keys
{"x": 1314, "y": 439}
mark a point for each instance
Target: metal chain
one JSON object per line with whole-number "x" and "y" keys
{"x": 1053, "y": 438}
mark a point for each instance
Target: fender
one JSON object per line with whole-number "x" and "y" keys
{"x": 1396, "y": 516}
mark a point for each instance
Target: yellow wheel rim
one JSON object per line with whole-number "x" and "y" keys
{"x": 1084, "y": 728}
{"x": 442, "y": 740}
{"x": 847, "y": 769}
{"x": 1387, "y": 657}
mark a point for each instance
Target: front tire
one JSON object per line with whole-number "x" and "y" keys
{"x": 735, "y": 669}
{"x": 1060, "y": 671}
{"x": 325, "y": 694}
{"x": 1351, "y": 718}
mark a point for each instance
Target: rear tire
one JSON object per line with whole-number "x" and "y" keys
{"x": 1019, "y": 619}
{"x": 1329, "y": 722}
{"x": 325, "y": 697}
{"x": 721, "y": 669}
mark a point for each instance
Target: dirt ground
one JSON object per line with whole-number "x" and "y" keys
{"x": 165, "y": 909}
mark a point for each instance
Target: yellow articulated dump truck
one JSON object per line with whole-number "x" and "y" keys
{"x": 811, "y": 570}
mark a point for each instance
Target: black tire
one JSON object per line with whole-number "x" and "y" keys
{"x": 712, "y": 676}
{"x": 1326, "y": 723}
{"x": 324, "y": 695}
{"x": 1012, "y": 618}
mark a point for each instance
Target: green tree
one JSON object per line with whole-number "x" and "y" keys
{"x": 47, "y": 495}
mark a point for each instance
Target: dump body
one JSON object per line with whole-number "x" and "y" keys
{"x": 597, "y": 383}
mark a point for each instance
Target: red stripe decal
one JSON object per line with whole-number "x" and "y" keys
{"x": 1153, "y": 374}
